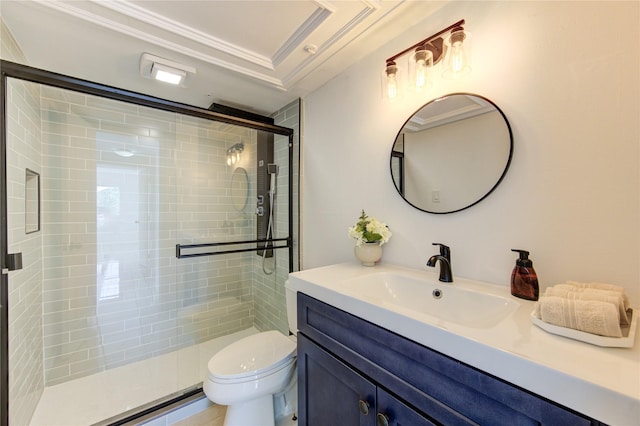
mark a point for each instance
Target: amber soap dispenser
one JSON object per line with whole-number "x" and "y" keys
{"x": 524, "y": 281}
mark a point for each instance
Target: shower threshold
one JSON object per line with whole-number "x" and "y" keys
{"x": 103, "y": 395}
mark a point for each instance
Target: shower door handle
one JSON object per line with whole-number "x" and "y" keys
{"x": 13, "y": 263}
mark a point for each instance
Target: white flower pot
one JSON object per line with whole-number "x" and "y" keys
{"x": 368, "y": 253}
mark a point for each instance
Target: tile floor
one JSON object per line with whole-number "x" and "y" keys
{"x": 212, "y": 416}
{"x": 198, "y": 413}
{"x": 100, "y": 396}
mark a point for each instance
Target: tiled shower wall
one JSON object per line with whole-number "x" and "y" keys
{"x": 25, "y": 292}
{"x": 269, "y": 291}
{"x": 290, "y": 116}
{"x": 114, "y": 291}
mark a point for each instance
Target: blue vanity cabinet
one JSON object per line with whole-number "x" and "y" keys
{"x": 335, "y": 394}
{"x": 353, "y": 372}
{"x": 392, "y": 411}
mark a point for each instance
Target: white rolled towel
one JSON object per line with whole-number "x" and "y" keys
{"x": 590, "y": 316}
{"x": 587, "y": 293}
{"x": 603, "y": 286}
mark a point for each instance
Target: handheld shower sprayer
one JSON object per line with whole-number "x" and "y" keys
{"x": 272, "y": 169}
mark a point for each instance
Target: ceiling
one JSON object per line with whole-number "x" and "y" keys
{"x": 255, "y": 55}
{"x": 448, "y": 109}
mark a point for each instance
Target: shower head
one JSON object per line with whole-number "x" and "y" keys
{"x": 272, "y": 169}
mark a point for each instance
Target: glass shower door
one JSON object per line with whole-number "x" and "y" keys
{"x": 100, "y": 195}
{"x": 92, "y": 209}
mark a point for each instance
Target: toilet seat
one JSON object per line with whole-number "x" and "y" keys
{"x": 252, "y": 357}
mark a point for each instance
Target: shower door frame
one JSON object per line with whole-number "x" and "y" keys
{"x": 40, "y": 76}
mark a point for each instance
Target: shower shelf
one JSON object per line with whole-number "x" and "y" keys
{"x": 181, "y": 247}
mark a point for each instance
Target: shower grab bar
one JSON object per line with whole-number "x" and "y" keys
{"x": 180, "y": 247}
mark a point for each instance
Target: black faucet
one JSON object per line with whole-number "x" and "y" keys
{"x": 445, "y": 263}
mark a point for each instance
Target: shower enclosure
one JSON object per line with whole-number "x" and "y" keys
{"x": 135, "y": 231}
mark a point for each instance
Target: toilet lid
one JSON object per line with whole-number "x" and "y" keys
{"x": 251, "y": 356}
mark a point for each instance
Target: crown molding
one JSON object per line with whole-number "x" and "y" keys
{"x": 281, "y": 71}
{"x": 158, "y": 41}
{"x": 296, "y": 74}
{"x": 307, "y": 28}
{"x": 162, "y": 22}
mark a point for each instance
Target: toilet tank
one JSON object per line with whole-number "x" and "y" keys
{"x": 292, "y": 307}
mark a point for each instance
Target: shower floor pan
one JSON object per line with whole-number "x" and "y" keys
{"x": 94, "y": 398}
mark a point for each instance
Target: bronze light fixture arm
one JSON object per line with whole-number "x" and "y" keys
{"x": 460, "y": 23}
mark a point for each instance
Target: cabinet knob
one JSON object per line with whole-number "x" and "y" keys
{"x": 364, "y": 407}
{"x": 382, "y": 420}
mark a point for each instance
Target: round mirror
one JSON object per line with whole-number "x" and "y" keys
{"x": 452, "y": 153}
{"x": 239, "y": 188}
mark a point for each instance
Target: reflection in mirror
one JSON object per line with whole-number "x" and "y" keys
{"x": 239, "y": 188}
{"x": 451, "y": 153}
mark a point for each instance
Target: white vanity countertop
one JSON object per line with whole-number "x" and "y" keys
{"x": 602, "y": 383}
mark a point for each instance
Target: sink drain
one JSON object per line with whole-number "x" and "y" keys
{"x": 437, "y": 293}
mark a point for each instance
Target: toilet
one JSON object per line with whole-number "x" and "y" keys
{"x": 255, "y": 377}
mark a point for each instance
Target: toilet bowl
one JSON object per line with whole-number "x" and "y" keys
{"x": 254, "y": 375}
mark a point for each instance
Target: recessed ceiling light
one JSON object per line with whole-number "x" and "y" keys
{"x": 164, "y": 69}
{"x": 167, "y": 74}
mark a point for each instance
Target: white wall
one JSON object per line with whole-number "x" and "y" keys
{"x": 566, "y": 74}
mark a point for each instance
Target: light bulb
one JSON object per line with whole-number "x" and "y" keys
{"x": 237, "y": 156}
{"x": 457, "y": 59}
{"x": 229, "y": 160}
{"x": 392, "y": 79}
{"x": 424, "y": 59}
{"x": 392, "y": 86}
{"x": 421, "y": 73}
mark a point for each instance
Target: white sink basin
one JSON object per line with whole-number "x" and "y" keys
{"x": 449, "y": 302}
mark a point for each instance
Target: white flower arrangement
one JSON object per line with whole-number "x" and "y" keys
{"x": 369, "y": 230}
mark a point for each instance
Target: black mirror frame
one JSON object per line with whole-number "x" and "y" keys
{"x": 394, "y": 154}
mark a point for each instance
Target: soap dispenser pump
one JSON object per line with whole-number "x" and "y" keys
{"x": 524, "y": 281}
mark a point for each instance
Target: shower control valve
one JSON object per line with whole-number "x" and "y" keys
{"x": 260, "y": 200}
{"x": 260, "y": 211}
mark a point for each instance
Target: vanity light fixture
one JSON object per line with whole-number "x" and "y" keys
{"x": 426, "y": 54}
{"x": 165, "y": 70}
{"x": 233, "y": 154}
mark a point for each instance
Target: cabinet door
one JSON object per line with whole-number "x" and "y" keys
{"x": 329, "y": 392}
{"x": 393, "y": 412}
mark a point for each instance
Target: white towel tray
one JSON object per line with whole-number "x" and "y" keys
{"x": 626, "y": 341}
